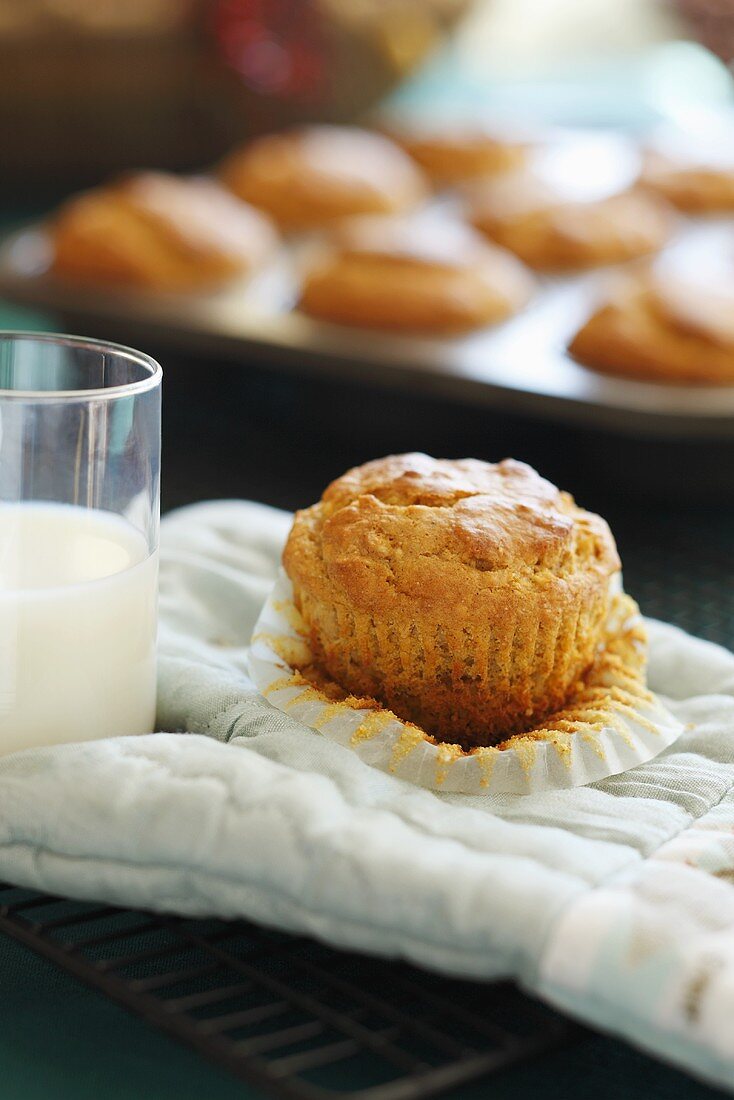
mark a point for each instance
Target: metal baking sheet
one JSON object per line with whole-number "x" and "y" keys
{"x": 520, "y": 366}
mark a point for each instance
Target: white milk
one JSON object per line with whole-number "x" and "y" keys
{"x": 78, "y": 596}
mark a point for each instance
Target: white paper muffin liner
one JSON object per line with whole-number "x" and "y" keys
{"x": 612, "y": 725}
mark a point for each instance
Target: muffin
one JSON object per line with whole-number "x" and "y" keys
{"x": 451, "y": 154}
{"x": 469, "y": 598}
{"x": 432, "y": 277}
{"x": 313, "y": 176}
{"x": 550, "y": 231}
{"x": 695, "y": 186}
{"x": 159, "y": 231}
{"x": 664, "y": 328}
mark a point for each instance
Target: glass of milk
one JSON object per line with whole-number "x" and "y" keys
{"x": 80, "y": 429}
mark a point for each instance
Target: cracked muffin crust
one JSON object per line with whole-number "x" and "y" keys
{"x": 470, "y": 598}
{"x": 550, "y": 231}
{"x": 406, "y": 275}
{"x": 664, "y": 328}
{"x": 314, "y": 175}
{"x": 693, "y": 186}
{"x": 160, "y": 231}
{"x": 452, "y": 154}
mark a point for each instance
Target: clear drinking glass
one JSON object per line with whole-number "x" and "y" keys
{"x": 80, "y": 428}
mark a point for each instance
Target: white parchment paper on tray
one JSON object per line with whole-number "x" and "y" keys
{"x": 572, "y": 754}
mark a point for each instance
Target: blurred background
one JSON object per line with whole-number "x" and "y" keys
{"x": 90, "y": 88}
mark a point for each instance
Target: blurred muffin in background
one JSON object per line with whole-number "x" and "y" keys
{"x": 414, "y": 275}
{"x": 312, "y": 176}
{"x": 549, "y": 230}
{"x": 159, "y": 231}
{"x": 662, "y": 326}
{"x": 460, "y": 151}
{"x": 692, "y": 184}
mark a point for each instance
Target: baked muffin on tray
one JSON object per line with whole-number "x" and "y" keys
{"x": 309, "y": 177}
{"x": 551, "y": 231}
{"x": 663, "y": 327}
{"x": 159, "y": 231}
{"x": 470, "y": 598}
{"x": 694, "y": 185}
{"x": 413, "y": 275}
{"x": 456, "y": 152}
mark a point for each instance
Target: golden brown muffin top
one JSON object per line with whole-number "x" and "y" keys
{"x": 193, "y": 215}
{"x": 690, "y": 303}
{"x": 695, "y": 184}
{"x": 695, "y": 304}
{"x": 315, "y": 174}
{"x": 439, "y": 530}
{"x": 662, "y": 163}
{"x": 458, "y": 150}
{"x": 442, "y": 245}
{"x": 413, "y": 276}
{"x": 199, "y": 212}
{"x": 663, "y": 328}
{"x": 514, "y": 197}
{"x": 439, "y": 243}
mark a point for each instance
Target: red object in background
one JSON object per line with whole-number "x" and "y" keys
{"x": 277, "y": 47}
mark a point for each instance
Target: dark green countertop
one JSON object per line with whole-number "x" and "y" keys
{"x": 60, "y": 1041}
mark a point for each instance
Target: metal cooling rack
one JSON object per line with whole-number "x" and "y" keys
{"x": 289, "y": 1016}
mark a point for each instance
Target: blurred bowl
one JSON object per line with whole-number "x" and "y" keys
{"x": 205, "y": 75}
{"x": 329, "y": 60}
